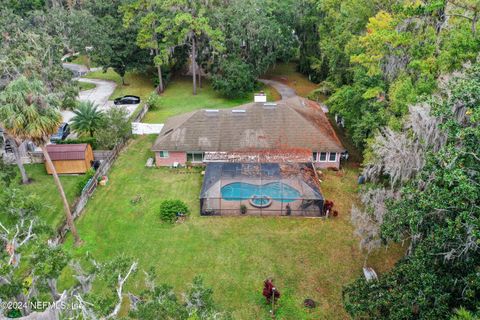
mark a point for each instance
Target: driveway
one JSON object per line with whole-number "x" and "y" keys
{"x": 98, "y": 95}
{"x": 284, "y": 90}
{"x": 287, "y": 92}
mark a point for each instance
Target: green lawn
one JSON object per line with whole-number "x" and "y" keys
{"x": 43, "y": 185}
{"x": 85, "y": 85}
{"x": 82, "y": 59}
{"x": 307, "y": 257}
{"x": 310, "y": 258}
{"x": 178, "y": 98}
{"x": 288, "y": 74}
{"x": 136, "y": 83}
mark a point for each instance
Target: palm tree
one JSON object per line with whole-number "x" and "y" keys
{"x": 5, "y": 96}
{"x": 30, "y": 113}
{"x": 87, "y": 118}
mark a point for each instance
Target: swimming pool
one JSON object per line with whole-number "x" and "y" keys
{"x": 275, "y": 190}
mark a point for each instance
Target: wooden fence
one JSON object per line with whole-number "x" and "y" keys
{"x": 82, "y": 200}
{"x": 87, "y": 192}
{"x": 143, "y": 111}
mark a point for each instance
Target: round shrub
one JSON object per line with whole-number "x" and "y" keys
{"x": 236, "y": 79}
{"x": 170, "y": 209}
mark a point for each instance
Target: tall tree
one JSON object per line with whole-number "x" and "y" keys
{"x": 190, "y": 24}
{"x": 118, "y": 48}
{"x": 30, "y": 113}
{"x": 152, "y": 26}
{"x": 15, "y": 143}
{"x": 261, "y": 33}
{"x": 434, "y": 208}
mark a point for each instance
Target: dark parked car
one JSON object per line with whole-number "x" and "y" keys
{"x": 127, "y": 100}
{"x": 62, "y": 133}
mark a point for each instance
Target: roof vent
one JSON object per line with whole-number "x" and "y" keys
{"x": 269, "y": 105}
{"x": 211, "y": 112}
{"x": 239, "y": 111}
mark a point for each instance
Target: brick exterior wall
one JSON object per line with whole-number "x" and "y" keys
{"x": 174, "y": 156}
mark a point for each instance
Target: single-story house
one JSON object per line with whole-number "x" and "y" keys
{"x": 294, "y": 123}
{"x": 70, "y": 158}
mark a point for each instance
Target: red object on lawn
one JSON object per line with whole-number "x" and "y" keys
{"x": 269, "y": 291}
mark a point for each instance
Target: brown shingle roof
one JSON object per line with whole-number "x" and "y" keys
{"x": 67, "y": 151}
{"x": 292, "y": 123}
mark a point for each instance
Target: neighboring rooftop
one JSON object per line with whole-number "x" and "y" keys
{"x": 287, "y": 124}
{"x": 67, "y": 151}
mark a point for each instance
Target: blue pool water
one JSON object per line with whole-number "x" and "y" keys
{"x": 276, "y": 190}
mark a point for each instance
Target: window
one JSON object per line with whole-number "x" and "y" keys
{"x": 163, "y": 154}
{"x": 332, "y": 157}
{"x": 323, "y": 156}
{"x": 315, "y": 156}
{"x": 195, "y": 156}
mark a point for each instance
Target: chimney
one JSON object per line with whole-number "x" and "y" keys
{"x": 260, "y": 97}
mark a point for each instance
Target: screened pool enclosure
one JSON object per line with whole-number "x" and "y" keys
{"x": 261, "y": 189}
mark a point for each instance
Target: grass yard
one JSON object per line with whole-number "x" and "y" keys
{"x": 85, "y": 85}
{"x": 82, "y": 59}
{"x": 307, "y": 257}
{"x": 178, "y": 98}
{"x": 136, "y": 83}
{"x": 44, "y": 187}
{"x": 288, "y": 74}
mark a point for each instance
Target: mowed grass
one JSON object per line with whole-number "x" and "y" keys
{"x": 135, "y": 83}
{"x": 44, "y": 187}
{"x": 178, "y": 98}
{"x": 85, "y": 85}
{"x": 307, "y": 257}
{"x": 287, "y": 73}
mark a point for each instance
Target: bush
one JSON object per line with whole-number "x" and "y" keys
{"x": 324, "y": 90}
{"x": 154, "y": 101}
{"x": 116, "y": 128}
{"x": 170, "y": 208}
{"x": 243, "y": 209}
{"x": 236, "y": 79}
{"x": 91, "y": 141}
{"x": 82, "y": 183}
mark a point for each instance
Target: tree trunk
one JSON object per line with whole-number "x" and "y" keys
{"x": 52, "y": 285}
{"x": 160, "y": 80}
{"x": 159, "y": 72}
{"x": 474, "y": 24}
{"x": 159, "y": 67}
{"x": 199, "y": 77}
{"x": 18, "y": 160}
{"x": 66, "y": 206}
{"x": 194, "y": 65}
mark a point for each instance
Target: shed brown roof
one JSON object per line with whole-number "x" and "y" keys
{"x": 291, "y": 123}
{"x": 67, "y": 151}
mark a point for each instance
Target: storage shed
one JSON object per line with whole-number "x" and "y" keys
{"x": 70, "y": 158}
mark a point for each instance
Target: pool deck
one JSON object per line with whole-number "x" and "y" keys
{"x": 215, "y": 203}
